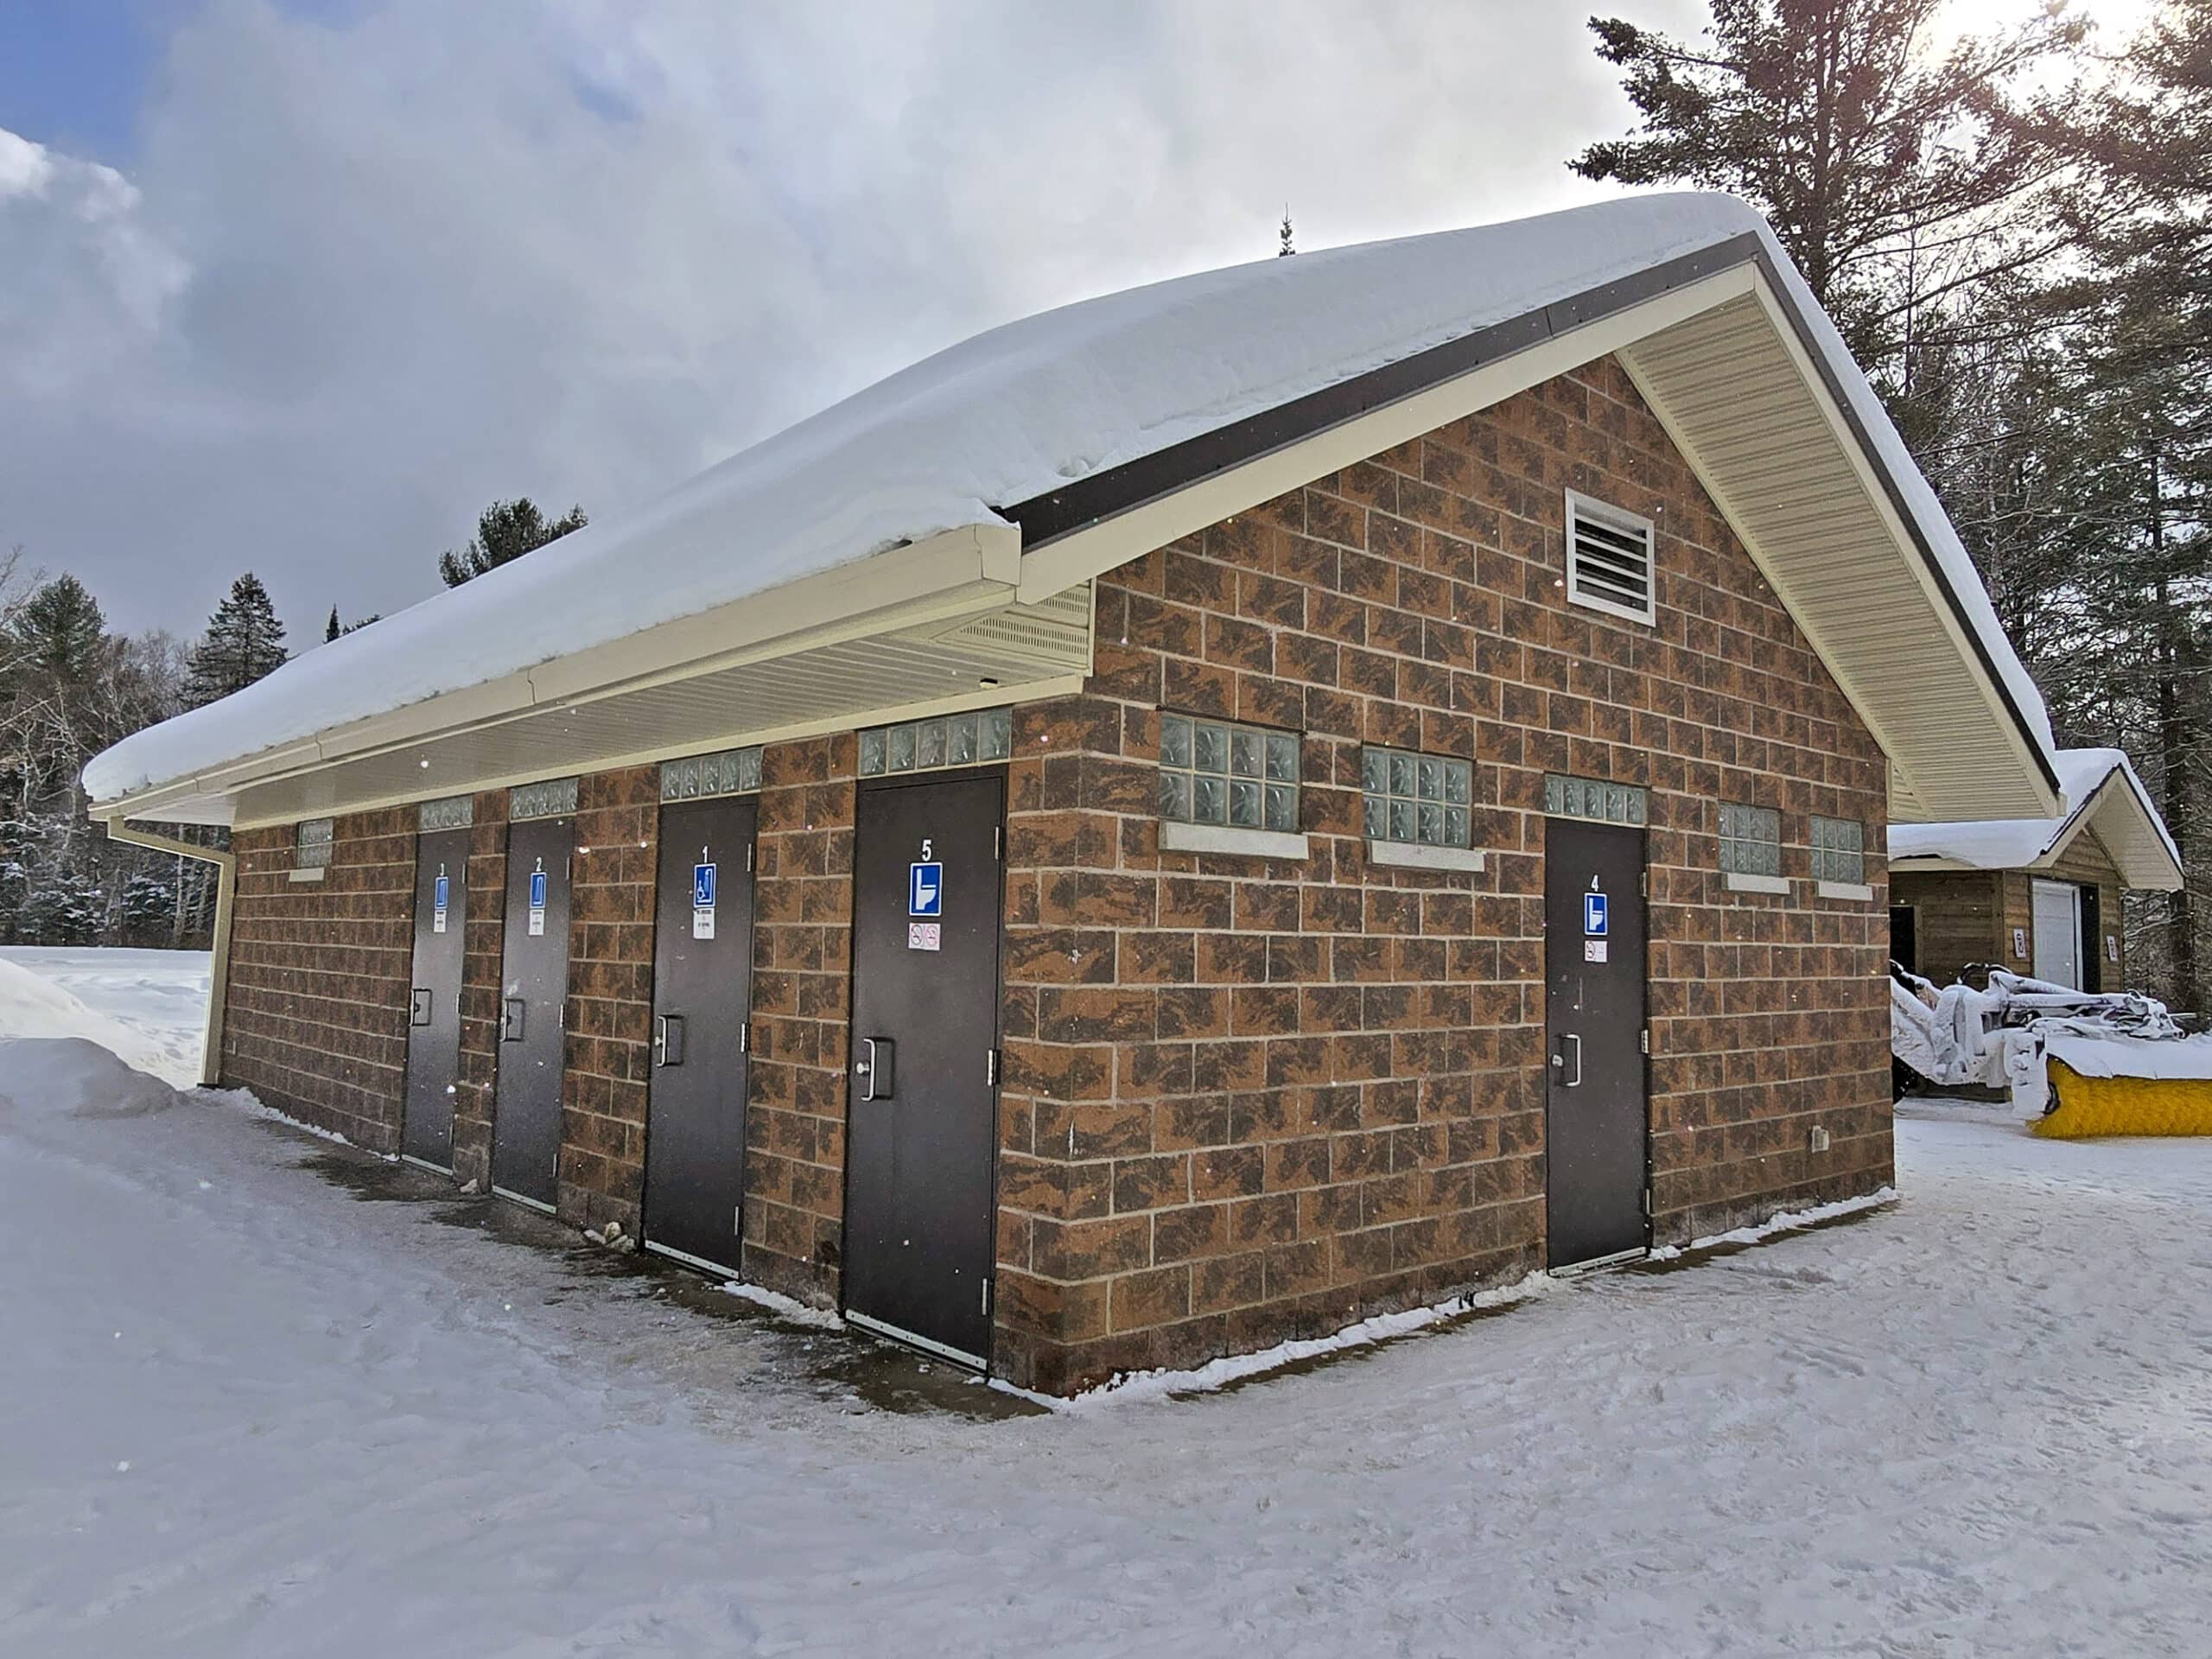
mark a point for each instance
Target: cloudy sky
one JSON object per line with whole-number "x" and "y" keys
{"x": 299, "y": 285}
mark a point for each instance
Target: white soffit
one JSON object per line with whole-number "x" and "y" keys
{"x": 935, "y": 662}
{"x": 1744, "y": 403}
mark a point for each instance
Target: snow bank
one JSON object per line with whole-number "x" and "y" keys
{"x": 1782, "y": 1221}
{"x": 1129, "y": 1388}
{"x": 73, "y": 1076}
{"x": 32, "y": 1005}
{"x": 2013, "y": 843}
{"x": 788, "y": 1309}
{"x": 996, "y": 420}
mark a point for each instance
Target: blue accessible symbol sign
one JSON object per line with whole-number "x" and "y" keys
{"x": 925, "y": 889}
{"x": 702, "y": 900}
{"x": 1593, "y": 915}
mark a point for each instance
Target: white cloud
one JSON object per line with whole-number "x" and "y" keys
{"x": 362, "y": 278}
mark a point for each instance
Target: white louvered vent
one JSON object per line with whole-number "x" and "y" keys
{"x": 1609, "y": 560}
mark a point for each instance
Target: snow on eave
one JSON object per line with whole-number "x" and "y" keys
{"x": 2099, "y": 784}
{"x": 1007, "y": 417}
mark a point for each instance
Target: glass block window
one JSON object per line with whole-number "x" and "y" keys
{"x": 311, "y": 844}
{"x": 733, "y": 772}
{"x": 1585, "y": 798}
{"x": 1838, "y": 850}
{"x": 1425, "y": 799}
{"x": 454, "y": 813}
{"x": 554, "y": 798}
{"x": 1244, "y": 777}
{"x": 1751, "y": 841}
{"x": 944, "y": 741}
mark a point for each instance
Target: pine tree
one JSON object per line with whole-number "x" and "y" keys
{"x": 1896, "y": 179}
{"x": 332, "y": 631}
{"x": 59, "y": 630}
{"x": 2145, "y": 458}
{"x": 244, "y": 643}
{"x": 504, "y": 531}
{"x": 1286, "y": 248}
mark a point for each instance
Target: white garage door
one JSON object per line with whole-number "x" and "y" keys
{"x": 2058, "y": 933}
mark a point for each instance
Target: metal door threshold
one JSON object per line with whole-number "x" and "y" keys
{"x": 1574, "y": 1269}
{"x": 445, "y": 1170}
{"x": 973, "y": 1362}
{"x": 525, "y": 1199}
{"x": 699, "y": 1263}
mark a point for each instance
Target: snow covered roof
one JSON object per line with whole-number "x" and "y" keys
{"x": 952, "y": 447}
{"x": 2103, "y": 795}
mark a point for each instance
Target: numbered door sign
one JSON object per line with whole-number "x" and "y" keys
{"x": 702, "y": 901}
{"x": 439, "y": 891}
{"x": 538, "y": 903}
{"x": 925, "y": 889}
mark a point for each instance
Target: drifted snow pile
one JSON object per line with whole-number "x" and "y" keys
{"x": 72, "y": 1076}
{"x": 2088, "y": 1064}
{"x": 32, "y": 1006}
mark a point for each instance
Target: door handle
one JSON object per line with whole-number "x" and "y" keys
{"x": 418, "y": 1006}
{"x": 667, "y": 1039}
{"x": 511, "y": 1021}
{"x": 876, "y": 1068}
{"x": 1559, "y": 1060}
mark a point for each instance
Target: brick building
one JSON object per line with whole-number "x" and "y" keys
{"x": 1178, "y": 823}
{"x": 2045, "y": 897}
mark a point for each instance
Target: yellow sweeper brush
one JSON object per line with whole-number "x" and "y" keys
{"x": 2085, "y": 1106}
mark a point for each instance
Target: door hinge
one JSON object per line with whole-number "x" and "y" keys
{"x": 1643, "y": 1040}
{"x": 998, "y": 841}
{"x": 986, "y": 1296}
{"x": 1643, "y": 884}
{"x": 568, "y": 867}
{"x": 737, "y": 1223}
{"x": 745, "y": 1036}
{"x": 991, "y": 1066}
{"x": 749, "y": 850}
{"x": 1647, "y": 1203}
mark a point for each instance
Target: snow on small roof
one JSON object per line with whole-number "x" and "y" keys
{"x": 2017, "y": 843}
{"x": 1007, "y": 416}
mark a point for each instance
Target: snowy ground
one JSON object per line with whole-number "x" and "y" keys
{"x": 266, "y": 1396}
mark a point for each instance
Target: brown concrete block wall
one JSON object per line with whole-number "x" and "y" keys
{"x": 316, "y": 1020}
{"x": 1244, "y": 1101}
{"x": 802, "y": 938}
{"x": 608, "y": 1054}
{"x": 484, "y": 950}
{"x": 1247, "y": 1101}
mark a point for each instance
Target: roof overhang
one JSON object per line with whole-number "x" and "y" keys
{"x": 935, "y": 626}
{"x": 997, "y": 611}
{"x": 2117, "y": 815}
{"x": 1718, "y": 350}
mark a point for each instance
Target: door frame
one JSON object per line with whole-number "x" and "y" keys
{"x": 465, "y": 833}
{"x": 568, "y": 983}
{"x": 1642, "y": 834}
{"x": 866, "y": 787}
{"x": 745, "y": 1104}
{"x": 2036, "y": 885}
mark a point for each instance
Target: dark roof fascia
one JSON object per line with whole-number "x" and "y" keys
{"x": 1116, "y": 490}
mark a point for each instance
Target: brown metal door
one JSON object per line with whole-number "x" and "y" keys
{"x": 1596, "y": 1118}
{"x": 433, "y": 996}
{"x": 534, "y": 994}
{"x": 922, "y": 1109}
{"x": 703, "y": 979}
